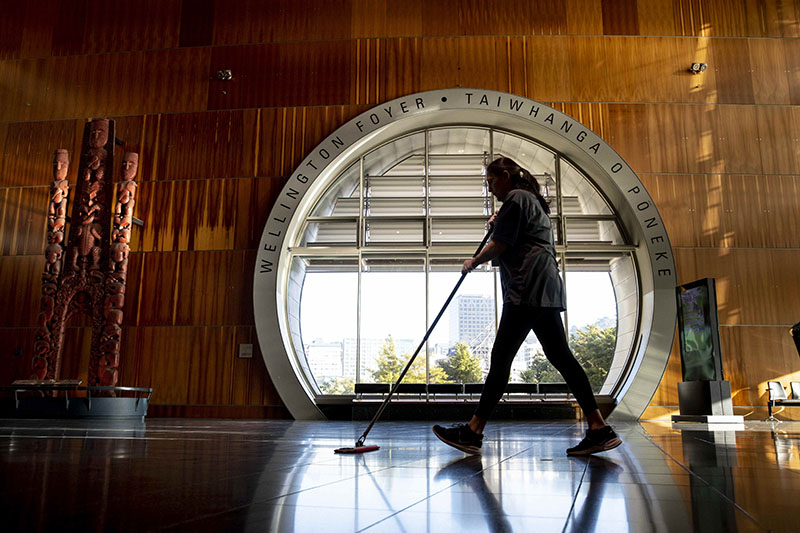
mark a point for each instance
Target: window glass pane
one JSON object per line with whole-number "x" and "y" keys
{"x": 592, "y": 311}
{"x": 392, "y": 318}
{"x": 466, "y": 231}
{"x": 537, "y": 159}
{"x": 403, "y": 156}
{"x": 341, "y": 199}
{"x": 460, "y": 345}
{"x": 578, "y": 195}
{"x": 394, "y": 231}
{"x": 596, "y": 231}
{"x": 328, "y": 313}
{"x": 470, "y": 145}
{"x": 330, "y": 232}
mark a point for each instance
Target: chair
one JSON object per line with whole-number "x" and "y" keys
{"x": 371, "y": 388}
{"x": 522, "y": 388}
{"x": 777, "y": 396}
{"x": 445, "y": 388}
{"x": 795, "y": 387}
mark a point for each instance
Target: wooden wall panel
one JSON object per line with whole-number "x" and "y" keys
{"x": 750, "y": 282}
{"x": 168, "y": 367}
{"x": 791, "y": 53}
{"x": 106, "y": 84}
{"x": 730, "y": 59}
{"x": 691, "y": 207}
{"x": 205, "y": 145}
{"x": 215, "y": 288}
{"x": 736, "y": 144}
{"x": 484, "y": 62}
{"x": 666, "y": 133}
{"x": 548, "y": 68}
{"x": 770, "y": 84}
{"x": 156, "y": 290}
{"x": 141, "y": 25}
{"x": 620, "y": 17}
{"x": 713, "y": 210}
{"x": 202, "y": 214}
{"x": 778, "y": 145}
{"x": 20, "y": 283}
{"x": 16, "y": 353}
{"x": 75, "y": 355}
{"x": 197, "y": 23}
{"x": 628, "y": 134}
{"x": 656, "y": 17}
{"x": 289, "y": 74}
{"x": 719, "y": 151}
{"x": 584, "y": 17}
{"x": 752, "y": 356}
{"x": 399, "y": 73}
{"x": 438, "y": 64}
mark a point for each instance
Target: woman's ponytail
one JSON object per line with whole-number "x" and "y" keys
{"x": 520, "y": 178}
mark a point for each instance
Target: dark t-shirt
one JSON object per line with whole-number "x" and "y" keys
{"x": 528, "y": 268}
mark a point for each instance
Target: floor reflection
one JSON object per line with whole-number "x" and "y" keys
{"x": 600, "y": 472}
{"x": 277, "y": 475}
{"x": 711, "y": 455}
{"x": 469, "y": 471}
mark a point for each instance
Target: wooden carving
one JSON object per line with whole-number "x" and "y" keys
{"x": 88, "y": 275}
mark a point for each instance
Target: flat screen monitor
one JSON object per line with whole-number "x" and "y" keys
{"x": 698, "y": 324}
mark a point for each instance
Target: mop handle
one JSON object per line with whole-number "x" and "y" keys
{"x": 360, "y": 441}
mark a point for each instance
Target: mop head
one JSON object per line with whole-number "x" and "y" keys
{"x": 357, "y": 449}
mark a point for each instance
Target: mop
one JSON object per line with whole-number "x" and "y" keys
{"x": 359, "y": 446}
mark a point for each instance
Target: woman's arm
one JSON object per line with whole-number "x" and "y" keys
{"x": 490, "y": 251}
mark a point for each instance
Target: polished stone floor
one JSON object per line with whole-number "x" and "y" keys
{"x": 223, "y": 475}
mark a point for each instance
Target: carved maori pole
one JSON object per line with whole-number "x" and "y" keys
{"x": 103, "y": 366}
{"x": 54, "y": 253}
{"x": 93, "y": 279}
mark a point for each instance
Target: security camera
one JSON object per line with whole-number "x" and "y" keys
{"x": 697, "y": 68}
{"x": 224, "y": 75}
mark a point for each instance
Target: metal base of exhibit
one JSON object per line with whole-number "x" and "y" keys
{"x": 74, "y": 401}
{"x": 709, "y": 419}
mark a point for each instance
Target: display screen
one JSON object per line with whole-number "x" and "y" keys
{"x": 697, "y": 333}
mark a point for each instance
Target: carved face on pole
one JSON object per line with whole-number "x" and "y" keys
{"x": 53, "y": 253}
{"x": 130, "y": 164}
{"x": 98, "y": 133}
{"x": 60, "y": 164}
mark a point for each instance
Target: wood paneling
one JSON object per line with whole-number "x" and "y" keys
{"x": 20, "y": 283}
{"x": 16, "y": 352}
{"x": 287, "y": 74}
{"x": 770, "y": 83}
{"x": 584, "y": 17}
{"x": 215, "y": 288}
{"x": 628, "y": 134}
{"x": 719, "y": 151}
{"x": 202, "y": 214}
{"x": 197, "y": 23}
{"x": 620, "y": 17}
{"x": 730, "y": 59}
{"x": 105, "y": 84}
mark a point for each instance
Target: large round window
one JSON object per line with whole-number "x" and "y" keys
{"x": 366, "y": 242}
{"x": 383, "y": 247}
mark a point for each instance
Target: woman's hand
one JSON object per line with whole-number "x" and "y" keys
{"x": 468, "y": 266}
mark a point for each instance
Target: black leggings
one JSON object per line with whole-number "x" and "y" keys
{"x": 514, "y": 326}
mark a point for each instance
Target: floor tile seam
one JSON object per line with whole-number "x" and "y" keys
{"x": 713, "y": 488}
{"x": 441, "y": 490}
{"x": 575, "y": 497}
{"x": 259, "y": 502}
{"x": 156, "y": 492}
